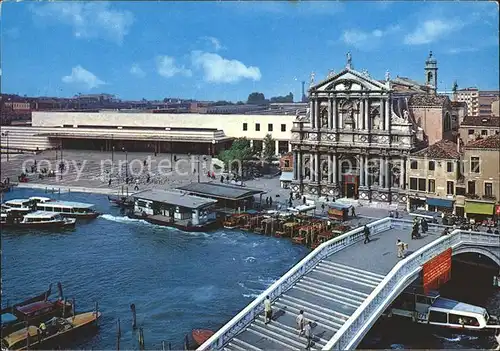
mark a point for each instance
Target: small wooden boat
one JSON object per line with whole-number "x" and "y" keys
{"x": 42, "y": 297}
{"x": 38, "y": 220}
{"x": 57, "y": 331}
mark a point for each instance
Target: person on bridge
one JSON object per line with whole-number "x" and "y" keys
{"x": 367, "y": 234}
{"x": 300, "y": 322}
{"x": 353, "y": 212}
{"x": 308, "y": 333}
{"x": 268, "y": 311}
{"x": 401, "y": 248}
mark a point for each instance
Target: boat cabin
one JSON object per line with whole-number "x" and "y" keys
{"x": 455, "y": 314}
{"x": 18, "y": 203}
{"x": 41, "y": 217}
{"x": 429, "y": 216}
{"x": 40, "y": 199}
{"x": 414, "y": 299}
{"x": 175, "y": 205}
{"x": 338, "y": 211}
{"x": 68, "y": 208}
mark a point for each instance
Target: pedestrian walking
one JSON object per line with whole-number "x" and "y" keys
{"x": 308, "y": 333}
{"x": 401, "y": 246}
{"x": 322, "y": 208}
{"x": 267, "y": 201}
{"x": 366, "y": 231}
{"x": 136, "y": 187}
{"x": 268, "y": 311}
{"x": 109, "y": 182}
{"x": 270, "y": 201}
{"x": 353, "y": 211}
{"x": 300, "y": 322}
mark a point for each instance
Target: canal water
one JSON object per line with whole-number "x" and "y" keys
{"x": 177, "y": 280}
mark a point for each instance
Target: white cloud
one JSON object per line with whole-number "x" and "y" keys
{"x": 137, "y": 71}
{"x": 167, "y": 68}
{"x": 82, "y": 77}
{"x": 220, "y": 70}
{"x": 461, "y": 50}
{"x": 88, "y": 19}
{"x": 431, "y": 31}
{"x": 366, "y": 40}
{"x": 215, "y": 42}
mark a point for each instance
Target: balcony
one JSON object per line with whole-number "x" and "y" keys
{"x": 472, "y": 196}
{"x": 489, "y": 197}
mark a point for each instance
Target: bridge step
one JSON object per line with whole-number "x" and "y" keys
{"x": 337, "y": 287}
{"x": 329, "y": 294}
{"x": 317, "y": 299}
{"x": 292, "y": 335}
{"x": 356, "y": 271}
{"x": 319, "y": 293}
{"x": 242, "y": 345}
{"x": 276, "y": 337}
{"x": 340, "y": 294}
{"x": 310, "y": 315}
{"x": 302, "y": 303}
{"x": 345, "y": 276}
{"x": 332, "y": 279}
{"x": 344, "y": 271}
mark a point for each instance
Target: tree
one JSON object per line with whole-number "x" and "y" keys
{"x": 256, "y": 98}
{"x": 283, "y": 99}
{"x": 269, "y": 148}
{"x": 238, "y": 154}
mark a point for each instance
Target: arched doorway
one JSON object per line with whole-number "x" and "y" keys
{"x": 349, "y": 171}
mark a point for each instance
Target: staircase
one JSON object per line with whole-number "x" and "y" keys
{"x": 328, "y": 295}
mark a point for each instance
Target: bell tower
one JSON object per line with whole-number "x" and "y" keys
{"x": 431, "y": 72}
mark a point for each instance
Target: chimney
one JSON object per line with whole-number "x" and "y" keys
{"x": 458, "y": 144}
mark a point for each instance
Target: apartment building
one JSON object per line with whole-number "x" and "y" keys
{"x": 473, "y": 128}
{"x": 432, "y": 176}
{"x": 479, "y": 103}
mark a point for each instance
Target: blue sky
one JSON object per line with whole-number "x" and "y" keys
{"x": 226, "y": 50}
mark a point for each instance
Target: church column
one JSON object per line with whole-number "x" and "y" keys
{"x": 362, "y": 170}
{"x": 387, "y": 175}
{"x": 311, "y": 167}
{"x": 334, "y": 169}
{"x": 334, "y": 113}
{"x": 318, "y": 113}
{"x": 317, "y": 166}
{"x": 387, "y": 115}
{"x": 367, "y": 176}
{"x": 312, "y": 113}
{"x": 382, "y": 114}
{"x": 329, "y": 168}
{"x": 381, "y": 172}
{"x": 367, "y": 112}
{"x": 329, "y": 124}
{"x": 361, "y": 115}
{"x": 296, "y": 165}
{"x": 402, "y": 177}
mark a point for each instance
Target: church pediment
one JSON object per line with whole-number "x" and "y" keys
{"x": 349, "y": 80}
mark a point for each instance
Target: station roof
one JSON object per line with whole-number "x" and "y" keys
{"x": 220, "y": 191}
{"x": 175, "y": 198}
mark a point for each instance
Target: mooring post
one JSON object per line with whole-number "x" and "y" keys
{"x": 163, "y": 346}
{"x": 134, "y": 317}
{"x": 64, "y": 308}
{"x": 27, "y": 336}
{"x": 96, "y": 312}
{"x": 141, "y": 339}
{"x": 118, "y": 334}
{"x": 186, "y": 343}
{"x": 74, "y": 307}
{"x": 169, "y": 346}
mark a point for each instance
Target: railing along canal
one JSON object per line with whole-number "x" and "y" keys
{"x": 352, "y": 332}
{"x": 248, "y": 314}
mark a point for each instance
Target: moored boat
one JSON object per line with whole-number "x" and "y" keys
{"x": 18, "y": 206}
{"x": 69, "y": 209}
{"x": 122, "y": 201}
{"x": 42, "y": 297}
{"x": 197, "y": 338}
{"x": 57, "y": 331}
{"x": 38, "y": 220}
{"x": 437, "y": 312}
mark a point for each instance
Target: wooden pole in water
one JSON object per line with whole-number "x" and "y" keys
{"x": 73, "y": 307}
{"x": 134, "y": 317}
{"x": 64, "y": 308}
{"x": 141, "y": 339}
{"x": 27, "y": 336}
{"x": 169, "y": 346}
{"x": 118, "y": 334}
{"x": 96, "y": 312}
{"x": 163, "y": 345}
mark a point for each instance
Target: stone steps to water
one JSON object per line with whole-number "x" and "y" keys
{"x": 328, "y": 295}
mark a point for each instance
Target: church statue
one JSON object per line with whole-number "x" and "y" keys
{"x": 365, "y": 73}
{"x": 387, "y": 76}
{"x": 311, "y": 82}
{"x": 406, "y": 115}
{"x": 331, "y": 73}
{"x": 349, "y": 59}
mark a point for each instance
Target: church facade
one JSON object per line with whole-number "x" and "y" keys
{"x": 356, "y": 135}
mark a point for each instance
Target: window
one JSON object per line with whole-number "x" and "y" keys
{"x": 484, "y": 132}
{"x": 245, "y": 126}
{"x": 283, "y": 127}
{"x": 474, "y": 165}
{"x": 449, "y": 167}
{"x": 488, "y": 189}
{"x": 471, "y": 131}
{"x": 394, "y": 138}
{"x": 432, "y": 166}
{"x": 257, "y": 127}
{"x": 460, "y": 190}
{"x": 421, "y": 184}
{"x": 270, "y": 127}
{"x": 414, "y": 165}
{"x": 287, "y": 163}
{"x": 438, "y": 317}
{"x": 450, "y": 188}
{"x": 413, "y": 183}
{"x": 471, "y": 187}
{"x": 431, "y": 186}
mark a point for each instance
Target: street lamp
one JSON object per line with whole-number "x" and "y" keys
{"x": 112, "y": 149}
{"x": 6, "y": 135}
{"x": 126, "y": 165}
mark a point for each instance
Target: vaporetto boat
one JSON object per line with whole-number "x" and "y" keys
{"x": 69, "y": 209}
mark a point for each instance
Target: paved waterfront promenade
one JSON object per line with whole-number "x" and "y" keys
{"x": 90, "y": 171}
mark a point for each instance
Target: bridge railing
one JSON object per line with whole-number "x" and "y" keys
{"x": 349, "y": 335}
{"x": 248, "y": 314}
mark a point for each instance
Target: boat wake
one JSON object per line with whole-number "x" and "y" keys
{"x": 456, "y": 338}
{"x": 122, "y": 219}
{"x": 250, "y": 259}
{"x": 252, "y": 296}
